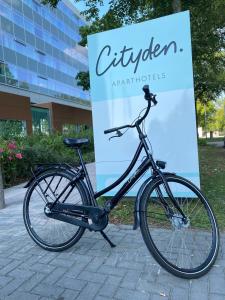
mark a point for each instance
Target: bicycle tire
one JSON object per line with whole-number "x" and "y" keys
{"x": 48, "y": 233}
{"x": 164, "y": 237}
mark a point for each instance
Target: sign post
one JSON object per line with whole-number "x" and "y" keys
{"x": 121, "y": 62}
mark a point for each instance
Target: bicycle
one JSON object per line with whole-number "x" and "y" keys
{"x": 176, "y": 221}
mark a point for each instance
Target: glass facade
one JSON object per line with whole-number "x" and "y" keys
{"x": 39, "y": 49}
{"x": 40, "y": 120}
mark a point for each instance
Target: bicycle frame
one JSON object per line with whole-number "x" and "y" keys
{"x": 145, "y": 165}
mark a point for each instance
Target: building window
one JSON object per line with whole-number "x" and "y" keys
{"x": 40, "y": 120}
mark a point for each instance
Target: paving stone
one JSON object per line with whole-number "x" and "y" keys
{"x": 29, "y": 284}
{"x": 70, "y": 283}
{"x": 131, "y": 265}
{"x": 92, "y": 277}
{"x": 75, "y": 270}
{"x": 22, "y": 296}
{"x": 179, "y": 293}
{"x": 201, "y": 294}
{"x": 108, "y": 290}
{"x": 91, "y": 269}
{"x": 114, "y": 279}
{"x": 125, "y": 294}
{"x": 98, "y": 297}
{"x": 159, "y": 297}
{"x": 153, "y": 287}
{"x": 9, "y": 267}
{"x": 21, "y": 273}
{"x": 11, "y": 287}
{"x": 131, "y": 279}
{"x": 95, "y": 264}
{"x": 112, "y": 270}
{"x": 55, "y": 275}
{"x": 48, "y": 290}
{"x": 69, "y": 295}
{"x": 42, "y": 268}
{"x": 215, "y": 297}
{"x": 89, "y": 292}
{"x": 4, "y": 280}
{"x": 217, "y": 285}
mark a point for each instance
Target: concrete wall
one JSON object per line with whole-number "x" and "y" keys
{"x": 63, "y": 114}
{"x": 15, "y": 107}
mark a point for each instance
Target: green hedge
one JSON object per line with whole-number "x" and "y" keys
{"x": 37, "y": 149}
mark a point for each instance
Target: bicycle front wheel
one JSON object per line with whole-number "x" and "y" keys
{"x": 185, "y": 248}
{"x": 48, "y": 233}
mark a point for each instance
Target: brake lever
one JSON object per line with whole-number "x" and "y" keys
{"x": 119, "y": 134}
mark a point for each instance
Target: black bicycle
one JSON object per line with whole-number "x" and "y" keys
{"x": 176, "y": 220}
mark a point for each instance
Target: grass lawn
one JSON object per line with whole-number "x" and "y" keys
{"x": 212, "y": 169}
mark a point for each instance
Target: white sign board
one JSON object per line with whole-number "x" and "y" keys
{"x": 121, "y": 62}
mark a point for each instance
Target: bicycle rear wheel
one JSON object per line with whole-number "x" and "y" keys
{"x": 48, "y": 233}
{"x": 185, "y": 249}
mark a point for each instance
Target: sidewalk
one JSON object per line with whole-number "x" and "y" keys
{"x": 91, "y": 269}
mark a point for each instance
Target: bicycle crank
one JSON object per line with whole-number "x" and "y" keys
{"x": 90, "y": 217}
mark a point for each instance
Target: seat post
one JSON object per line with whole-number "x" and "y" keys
{"x": 86, "y": 176}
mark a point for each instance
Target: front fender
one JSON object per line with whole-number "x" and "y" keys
{"x": 139, "y": 196}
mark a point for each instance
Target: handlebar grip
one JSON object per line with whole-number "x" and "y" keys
{"x": 147, "y": 92}
{"x": 149, "y": 96}
{"x": 109, "y": 130}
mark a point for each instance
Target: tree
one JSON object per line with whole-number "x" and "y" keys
{"x": 211, "y": 115}
{"x": 208, "y": 33}
{"x": 220, "y": 116}
{"x": 206, "y": 115}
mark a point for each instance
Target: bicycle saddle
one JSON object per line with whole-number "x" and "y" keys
{"x": 69, "y": 142}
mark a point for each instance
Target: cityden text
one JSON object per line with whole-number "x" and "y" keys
{"x": 127, "y": 56}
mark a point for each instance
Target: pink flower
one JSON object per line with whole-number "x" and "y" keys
{"x": 12, "y": 146}
{"x": 10, "y": 157}
{"x": 1, "y": 150}
{"x": 19, "y": 155}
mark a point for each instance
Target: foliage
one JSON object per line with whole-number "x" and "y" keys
{"x": 46, "y": 149}
{"x": 207, "y": 26}
{"x": 202, "y": 142}
{"x": 10, "y": 154}
{"x": 220, "y": 116}
{"x": 211, "y": 115}
{"x": 83, "y": 80}
{"x": 206, "y": 115}
{"x": 10, "y": 128}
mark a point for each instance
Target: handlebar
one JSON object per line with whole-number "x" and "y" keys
{"x": 118, "y": 128}
{"x": 150, "y": 98}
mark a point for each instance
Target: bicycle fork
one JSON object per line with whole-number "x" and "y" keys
{"x": 168, "y": 209}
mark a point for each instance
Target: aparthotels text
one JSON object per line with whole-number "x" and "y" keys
{"x": 138, "y": 79}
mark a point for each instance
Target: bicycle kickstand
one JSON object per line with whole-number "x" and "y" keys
{"x": 107, "y": 239}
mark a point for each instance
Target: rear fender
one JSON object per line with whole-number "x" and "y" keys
{"x": 42, "y": 168}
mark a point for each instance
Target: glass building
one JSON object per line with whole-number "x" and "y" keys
{"x": 39, "y": 50}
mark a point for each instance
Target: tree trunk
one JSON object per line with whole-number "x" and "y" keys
{"x": 176, "y": 6}
{"x": 2, "y": 197}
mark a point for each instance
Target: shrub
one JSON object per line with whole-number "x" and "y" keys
{"x": 202, "y": 142}
{"x": 10, "y": 155}
{"x": 39, "y": 148}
